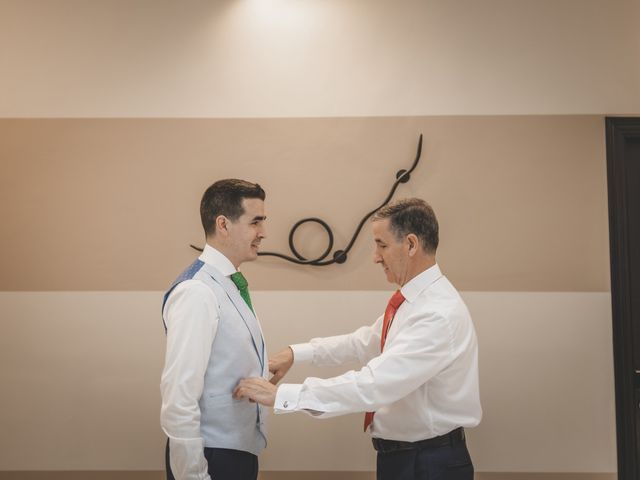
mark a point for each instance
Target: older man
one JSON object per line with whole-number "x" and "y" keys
{"x": 419, "y": 382}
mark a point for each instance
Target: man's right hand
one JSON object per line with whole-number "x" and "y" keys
{"x": 279, "y": 364}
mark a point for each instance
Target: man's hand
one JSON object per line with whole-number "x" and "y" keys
{"x": 279, "y": 364}
{"x": 257, "y": 390}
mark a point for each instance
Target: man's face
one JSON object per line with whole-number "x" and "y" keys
{"x": 246, "y": 233}
{"x": 390, "y": 253}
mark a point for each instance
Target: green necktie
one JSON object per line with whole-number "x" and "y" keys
{"x": 243, "y": 286}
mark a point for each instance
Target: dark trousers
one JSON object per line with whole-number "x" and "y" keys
{"x": 447, "y": 462}
{"x": 224, "y": 464}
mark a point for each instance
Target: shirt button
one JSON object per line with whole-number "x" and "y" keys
{"x": 285, "y": 404}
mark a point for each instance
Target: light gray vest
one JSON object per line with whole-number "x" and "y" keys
{"x": 238, "y": 351}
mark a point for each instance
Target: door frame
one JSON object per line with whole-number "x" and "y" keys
{"x": 619, "y": 131}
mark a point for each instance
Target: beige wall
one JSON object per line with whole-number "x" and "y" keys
{"x": 84, "y": 371}
{"x": 521, "y": 200}
{"x": 321, "y": 102}
{"x": 291, "y": 58}
{"x": 112, "y": 205}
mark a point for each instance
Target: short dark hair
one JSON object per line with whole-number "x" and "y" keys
{"x": 225, "y": 198}
{"x": 412, "y": 215}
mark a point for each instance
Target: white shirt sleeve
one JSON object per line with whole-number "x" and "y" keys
{"x": 419, "y": 351}
{"x": 191, "y": 315}
{"x": 361, "y": 345}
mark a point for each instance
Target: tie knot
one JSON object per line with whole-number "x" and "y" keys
{"x": 239, "y": 280}
{"x": 396, "y": 300}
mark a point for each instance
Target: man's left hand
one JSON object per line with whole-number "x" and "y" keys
{"x": 256, "y": 389}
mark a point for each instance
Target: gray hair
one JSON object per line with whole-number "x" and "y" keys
{"x": 411, "y": 215}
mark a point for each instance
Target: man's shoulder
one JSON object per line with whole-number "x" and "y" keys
{"x": 192, "y": 288}
{"x": 440, "y": 289}
{"x": 188, "y": 273}
{"x": 440, "y": 298}
{"x": 200, "y": 271}
{"x": 199, "y": 278}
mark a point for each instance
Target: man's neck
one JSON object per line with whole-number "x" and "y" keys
{"x": 419, "y": 266}
{"x": 223, "y": 250}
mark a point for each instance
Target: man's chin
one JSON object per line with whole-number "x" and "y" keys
{"x": 250, "y": 257}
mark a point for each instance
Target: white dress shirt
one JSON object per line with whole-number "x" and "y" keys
{"x": 425, "y": 382}
{"x": 191, "y": 314}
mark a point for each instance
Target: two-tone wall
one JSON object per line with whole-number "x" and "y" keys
{"x": 117, "y": 115}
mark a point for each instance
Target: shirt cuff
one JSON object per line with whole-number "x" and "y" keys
{"x": 287, "y": 398}
{"x": 187, "y": 459}
{"x": 302, "y": 352}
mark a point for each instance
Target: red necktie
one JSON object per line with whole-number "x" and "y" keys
{"x": 393, "y": 305}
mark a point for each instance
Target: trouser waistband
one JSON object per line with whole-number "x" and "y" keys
{"x": 451, "y": 438}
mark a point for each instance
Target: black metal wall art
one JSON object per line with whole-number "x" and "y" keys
{"x": 339, "y": 256}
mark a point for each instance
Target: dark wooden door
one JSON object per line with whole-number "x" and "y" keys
{"x": 623, "y": 172}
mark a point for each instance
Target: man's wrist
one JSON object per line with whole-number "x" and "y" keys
{"x": 286, "y": 398}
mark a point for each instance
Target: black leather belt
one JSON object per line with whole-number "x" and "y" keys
{"x": 451, "y": 438}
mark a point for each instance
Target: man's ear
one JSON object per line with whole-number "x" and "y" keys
{"x": 222, "y": 225}
{"x": 413, "y": 244}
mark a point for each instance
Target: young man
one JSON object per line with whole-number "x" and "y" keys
{"x": 419, "y": 382}
{"x": 213, "y": 340}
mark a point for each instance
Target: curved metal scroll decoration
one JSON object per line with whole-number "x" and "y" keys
{"x": 339, "y": 256}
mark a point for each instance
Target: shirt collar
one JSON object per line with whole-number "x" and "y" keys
{"x": 417, "y": 284}
{"x": 216, "y": 259}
